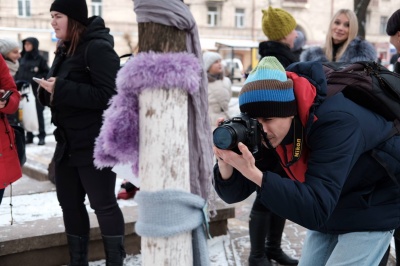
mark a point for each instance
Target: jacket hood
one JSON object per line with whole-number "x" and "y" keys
{"x": 35, "y": 44}
{"x": 96, "y": 29}
{"x": 313, "y": 72}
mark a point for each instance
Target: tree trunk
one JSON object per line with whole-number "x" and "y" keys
{"x": 360, "y": 8}
{"x": 161, "y": 38}
{"x": 164, "y": 147}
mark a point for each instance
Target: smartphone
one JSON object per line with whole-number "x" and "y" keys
{"x": 6, "y": 95}
{"x": 37, "y": 79}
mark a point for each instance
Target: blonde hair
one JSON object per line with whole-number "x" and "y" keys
{"x": 353, "y": 30}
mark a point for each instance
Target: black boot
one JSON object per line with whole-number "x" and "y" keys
{"x": 29, "y": 138}
{"x": 78, "y": 250}
{"x": 41, "y": 141}
{"x": 114, "y": 248}
{"x": 258, "y": 226}
{"x": 273, "y": 248}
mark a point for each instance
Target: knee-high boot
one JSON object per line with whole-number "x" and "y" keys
{"x": 258, "y": 226}
{"x": 273, "y": 248}
{"x": 114, "y": 249}
{"x": 78, "y": 250}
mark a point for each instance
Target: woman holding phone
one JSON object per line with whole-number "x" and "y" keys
{"x": 78, "y": 88}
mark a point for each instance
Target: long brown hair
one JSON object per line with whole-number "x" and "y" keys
{"x": 74, "y": 34}
{"x": 353, "y": 30}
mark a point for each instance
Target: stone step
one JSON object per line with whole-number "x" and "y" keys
{"x": 43, "y": 242}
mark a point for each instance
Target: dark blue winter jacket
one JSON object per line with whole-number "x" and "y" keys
{"x": 346, "y": 188}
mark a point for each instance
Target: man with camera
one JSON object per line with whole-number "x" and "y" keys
{"x": 340, "y": 158}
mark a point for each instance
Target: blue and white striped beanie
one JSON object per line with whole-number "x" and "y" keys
{"x": 267, "y": 92}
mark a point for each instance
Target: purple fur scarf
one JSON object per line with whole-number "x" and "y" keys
{"x": 118, "y": 141}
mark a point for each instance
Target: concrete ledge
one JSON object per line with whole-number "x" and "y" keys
{"x": 43, "y": 242}
{"x": 34, "y": 171}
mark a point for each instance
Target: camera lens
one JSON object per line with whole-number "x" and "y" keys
{"x": 227, "y": 137}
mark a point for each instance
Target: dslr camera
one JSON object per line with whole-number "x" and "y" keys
{"x": 241, "y": 128}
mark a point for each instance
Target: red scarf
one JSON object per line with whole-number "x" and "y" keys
{"x": 305, "y": 94}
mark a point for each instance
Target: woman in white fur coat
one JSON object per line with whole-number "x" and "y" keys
{"x": 219, "y": 88}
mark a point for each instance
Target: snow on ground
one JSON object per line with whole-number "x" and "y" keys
{"x": 45, "y": 206}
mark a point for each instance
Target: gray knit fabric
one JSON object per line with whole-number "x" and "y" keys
{"x": 170, "y": 212}
{"x": 177, "y": 14}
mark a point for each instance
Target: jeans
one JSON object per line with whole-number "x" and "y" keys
{"x": 358, "y": 248}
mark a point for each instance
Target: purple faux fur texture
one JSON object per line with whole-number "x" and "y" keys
{"x": 118, "y": 141}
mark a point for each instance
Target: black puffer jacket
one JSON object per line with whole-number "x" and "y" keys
{"x": 84, "y": 85}
{"x": 31, "y": 64}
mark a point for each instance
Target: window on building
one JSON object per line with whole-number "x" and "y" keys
{"x": 382, "y": 25}
{"x": 212, "y": 16}
{"x": 24, "y": 8}
{"x": 97, "y": 8}
{"x": 239, "y": 18}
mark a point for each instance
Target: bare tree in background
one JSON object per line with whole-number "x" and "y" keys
{"x": 360, "y": 8}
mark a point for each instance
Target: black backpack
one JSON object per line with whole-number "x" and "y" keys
{"x": 368, "y": 84}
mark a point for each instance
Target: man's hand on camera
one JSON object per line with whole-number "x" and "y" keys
{"x": 244, "y": 163}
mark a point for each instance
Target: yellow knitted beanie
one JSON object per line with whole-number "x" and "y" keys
{"x": 277, "y": 23}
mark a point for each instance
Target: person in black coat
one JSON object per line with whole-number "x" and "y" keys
{"x": 393, "y": 30}
{"x": 78, "y": 89}
{"x": 32, "y": 64}
{"x": 265, "y": 227}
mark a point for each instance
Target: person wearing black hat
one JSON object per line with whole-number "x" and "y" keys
{"x": 78, "y": 89}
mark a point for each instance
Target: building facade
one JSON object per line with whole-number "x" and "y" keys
{"x": 232, "y": 27}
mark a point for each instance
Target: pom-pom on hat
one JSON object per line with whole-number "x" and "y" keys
{"x": 7, "y": 45}
{"x": 267, "y": 92}
{"x": 393, "y": 24}
{"x": 277, "y": 23}
{"x": 75, "y": 9}
{"x": 210, "y": 58}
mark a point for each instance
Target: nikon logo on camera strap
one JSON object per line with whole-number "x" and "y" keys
{"x": 298, "y": 140}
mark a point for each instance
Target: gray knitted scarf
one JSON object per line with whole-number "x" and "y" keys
{"x": 175, "y": 13}
{"x": 170, "y": 212}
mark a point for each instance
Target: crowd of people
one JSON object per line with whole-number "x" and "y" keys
{"x": 335, "y": 187}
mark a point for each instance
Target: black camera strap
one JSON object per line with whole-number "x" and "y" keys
{"x": 298, "y": 140}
